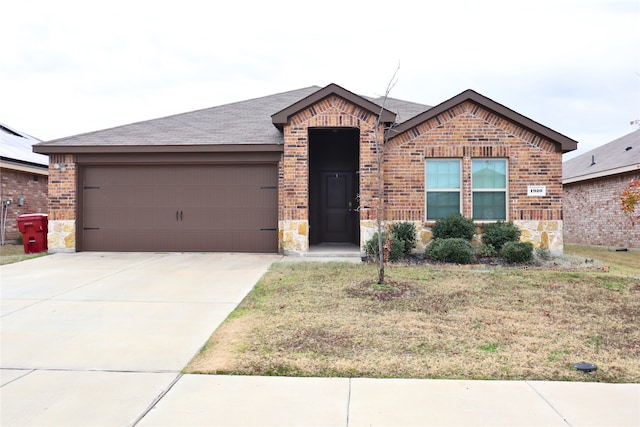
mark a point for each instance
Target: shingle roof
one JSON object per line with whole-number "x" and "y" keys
{"x": 404, "y": 109}
{"x": 620, "y": 155}
{"x": 16, "y": 145}
{"x": 244, "y": 122}
{"x": 250, "y": 124}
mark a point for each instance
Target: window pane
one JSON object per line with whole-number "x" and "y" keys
{"x": 489, "y": 173}
{"x": 443, "y": 174}
{"x": 441, "y": 204}
{"x": 489, "y": 206}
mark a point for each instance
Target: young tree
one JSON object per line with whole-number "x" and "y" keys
{"x": 379, "y": 158}
{"x": 630, "y": 199}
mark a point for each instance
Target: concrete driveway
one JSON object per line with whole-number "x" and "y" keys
{"x": 94, "y": 338}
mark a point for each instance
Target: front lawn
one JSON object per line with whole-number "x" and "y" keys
{"x": 10, "y": 253}
{"x": 428, "y": 321}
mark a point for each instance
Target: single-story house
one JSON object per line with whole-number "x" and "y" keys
{"x": 593, "y": 183}
{"x": 24, "y": 180}
{"x": 288, "y": 171}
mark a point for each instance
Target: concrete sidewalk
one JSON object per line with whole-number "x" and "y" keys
{"x": 199, "y": 400}
{"x": 93, "y": 339}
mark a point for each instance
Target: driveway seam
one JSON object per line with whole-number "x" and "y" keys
{"x": 156, "y": 400}
{"x": 18, "y": 378}
{"x": 123, "y": 371}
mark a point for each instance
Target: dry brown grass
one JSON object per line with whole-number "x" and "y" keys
{"x": 11, "y": 253}
{"x": 331, "y": 319}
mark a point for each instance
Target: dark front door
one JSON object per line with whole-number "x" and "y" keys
{"x": 337, "y": 207}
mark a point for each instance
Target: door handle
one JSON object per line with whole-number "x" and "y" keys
{"x": 180, "y": 216}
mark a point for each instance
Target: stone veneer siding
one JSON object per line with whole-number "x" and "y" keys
{"x": 62, "y": 203}
{"x": 31, "y": 186}
{"x": 592, "y": 214}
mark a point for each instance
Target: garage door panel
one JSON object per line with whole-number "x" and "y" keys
{"x": 180, "y": 208}
{"x": 230, "y": 240}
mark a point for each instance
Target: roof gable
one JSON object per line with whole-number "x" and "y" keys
{"x": 565, "y": 143}
{"x": 618, "y": 156}
{"x": 280, "y": 118}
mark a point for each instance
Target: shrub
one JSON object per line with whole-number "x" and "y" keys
{"x": 517, "y": 252}
{"x": 406, "y": 233}
{"x": 396, "y": 251}
{"x": 543, "y": 254}
{"x": 498, "y": 233}
{"x": 454, "y": 226}
{"x": 486, "y": 250}
{"x": 455, "y": 250}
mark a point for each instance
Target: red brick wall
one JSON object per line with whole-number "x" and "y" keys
{"x": 592, "y": 214}
{"x": 16, "y": 184}
{"x": 468, "y": 131}
{"x": 62, "y": 191}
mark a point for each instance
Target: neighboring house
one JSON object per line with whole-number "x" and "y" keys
{"x": 286, "y": 171}
{"x": 593, "y": 183}
{"x": 24, "y": 180}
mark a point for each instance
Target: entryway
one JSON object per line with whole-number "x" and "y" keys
{"x": 334, "y": 159}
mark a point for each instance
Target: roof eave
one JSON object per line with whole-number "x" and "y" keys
{"x": 602, "y": 174}
{"x": 24, "y": 166}
{"x": 125, "y": 149}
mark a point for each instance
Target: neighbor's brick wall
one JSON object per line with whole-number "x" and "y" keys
{"x": 592, "y": 214}
{"x": 62, "y": 191}
{"x": 468, "y": 131}
{"x": 16, "y": 184}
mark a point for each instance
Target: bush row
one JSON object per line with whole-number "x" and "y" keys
{"x": 452, "y": 241}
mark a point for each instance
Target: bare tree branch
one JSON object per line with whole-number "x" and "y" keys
{"x": 379, "y": 158}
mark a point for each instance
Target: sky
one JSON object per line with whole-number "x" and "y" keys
{"x": 69, "y": 67}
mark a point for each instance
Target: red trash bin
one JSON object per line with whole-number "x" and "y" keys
{"x": 34, "y": 229}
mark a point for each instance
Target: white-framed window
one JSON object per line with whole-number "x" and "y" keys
{"x": 489, "y": 189}
{"x": 442, "y": 183}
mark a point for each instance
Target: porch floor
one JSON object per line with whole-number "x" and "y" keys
{"x": 334, "y": 249}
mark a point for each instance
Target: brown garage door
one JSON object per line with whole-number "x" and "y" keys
{"x": 180, "y": 208}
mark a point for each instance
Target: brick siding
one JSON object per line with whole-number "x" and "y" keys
{"x": 32, "y": 187}
{"x": 62, "y": 191}
{"x": 467, "y": 132}
{"x": 592, "y": 214}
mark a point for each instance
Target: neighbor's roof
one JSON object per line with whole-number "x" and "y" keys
{"x": 15, "y": 146}
{"x": 618, "y": 156}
